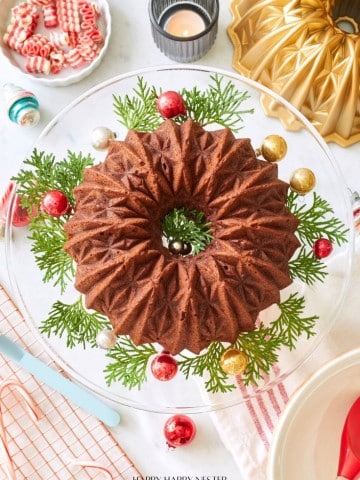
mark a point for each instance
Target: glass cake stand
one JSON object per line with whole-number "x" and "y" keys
{"x": 71, "y": 130}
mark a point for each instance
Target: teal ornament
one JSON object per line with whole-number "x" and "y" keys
{"x": 22, "y": 106}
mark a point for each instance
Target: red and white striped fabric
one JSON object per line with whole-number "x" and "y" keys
{"x": 247, "y": 429}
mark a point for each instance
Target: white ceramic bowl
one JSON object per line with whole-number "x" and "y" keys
{"x": 66, "y": 76}
{"x": 306, "y": 443}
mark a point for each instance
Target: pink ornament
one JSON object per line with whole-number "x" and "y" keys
{"x": 20, "y": 216}
{"x": 322, "y": 248}
{"x": 171, "y": 104}
{"x": 55, "y": 203}
{"x": 164, "y": 367}
{"x": 179, "y": 430}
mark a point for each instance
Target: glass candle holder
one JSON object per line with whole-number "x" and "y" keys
{"x": 184, "y": 30}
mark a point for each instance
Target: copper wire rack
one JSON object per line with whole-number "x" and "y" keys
{"x": 64, "y": 436}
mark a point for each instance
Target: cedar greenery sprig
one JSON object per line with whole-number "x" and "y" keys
{"x": 44, "y": 173}
{"x": 48, "y": 239}
{"x": 288, "y": 330}
{"x": 138, "y": 112}
{"x": 189, "y": 226}
{"x": 306, "y": 267}
{"x": 316, "y": 220}
{"x": 129, "y": 363}
{"x": 207, "y": 365}
{"x": 74, "y": 322}
{"x": 218, "y": 104}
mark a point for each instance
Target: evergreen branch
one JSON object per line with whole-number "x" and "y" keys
{"x": 219, "y": 104}
{"x": 208, "y": 362}
{"x": 72, "y": 320}
{"x": 138, "y": 112}
{"x": 129, "y": 363}
{"x": 48, "y": 238}
{"x": 290, "y": 325}
{"x": 261, "y": 349}
{"x": 307, "y": 268}
{"x": 188, "y": 226}
{"x": 315, "y": 220}
{"x": 45, "y": 173}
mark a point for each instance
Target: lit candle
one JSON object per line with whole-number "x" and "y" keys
{"x": 185, "y": 23}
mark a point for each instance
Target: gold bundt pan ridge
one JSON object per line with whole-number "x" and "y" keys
{"x": 295, "y": 49}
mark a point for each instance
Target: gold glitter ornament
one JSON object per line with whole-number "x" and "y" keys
{"x": 302, "y": 181}
{"x": 273, "y": 148}
{"x": 233, "y": 361}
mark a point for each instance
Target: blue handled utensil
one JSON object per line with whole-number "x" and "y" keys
{"x": 76, "y": 394}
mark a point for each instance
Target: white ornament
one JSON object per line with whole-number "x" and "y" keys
{"x": 106, "y": 339}
{"x": 100, "y": 138}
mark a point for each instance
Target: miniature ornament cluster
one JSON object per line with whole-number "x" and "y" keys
{"x": 179, "y": 247}
{"x": 187, "y": 233}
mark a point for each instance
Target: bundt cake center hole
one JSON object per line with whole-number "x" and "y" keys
{"x": 186, "y": 231}
{"x": 346, "y": 15}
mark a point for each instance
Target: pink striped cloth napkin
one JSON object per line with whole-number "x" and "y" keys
{"x": 247, "y": 429}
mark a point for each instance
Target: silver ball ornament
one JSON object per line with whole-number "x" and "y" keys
{"x": 106, "y": 339}
{"x": 100, "y": 138}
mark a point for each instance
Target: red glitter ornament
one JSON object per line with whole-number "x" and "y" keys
{"x": 171, "y": 104}
{"x": 55, "y": 203}
{"x": 322, "y": 248}
{"x": 20, "y": 216}
{"x": 179, "y": 430}
{"x": 164, "y": 366}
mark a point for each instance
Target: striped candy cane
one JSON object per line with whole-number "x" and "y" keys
{"x": 89, "y": 464}
{"x": 33, "y": 414}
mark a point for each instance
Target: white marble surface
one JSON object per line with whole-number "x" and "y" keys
{"x": 131, "y": 47}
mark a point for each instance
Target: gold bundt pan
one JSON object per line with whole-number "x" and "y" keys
{"x": 297, "y": 49}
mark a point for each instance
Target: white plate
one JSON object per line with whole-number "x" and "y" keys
{"x": 306, "y": 442}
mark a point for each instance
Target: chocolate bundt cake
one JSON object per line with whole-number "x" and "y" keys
{"x": 124, "y": 267}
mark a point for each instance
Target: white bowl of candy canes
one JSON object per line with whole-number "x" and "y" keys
{"x": 56, "y": 42}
